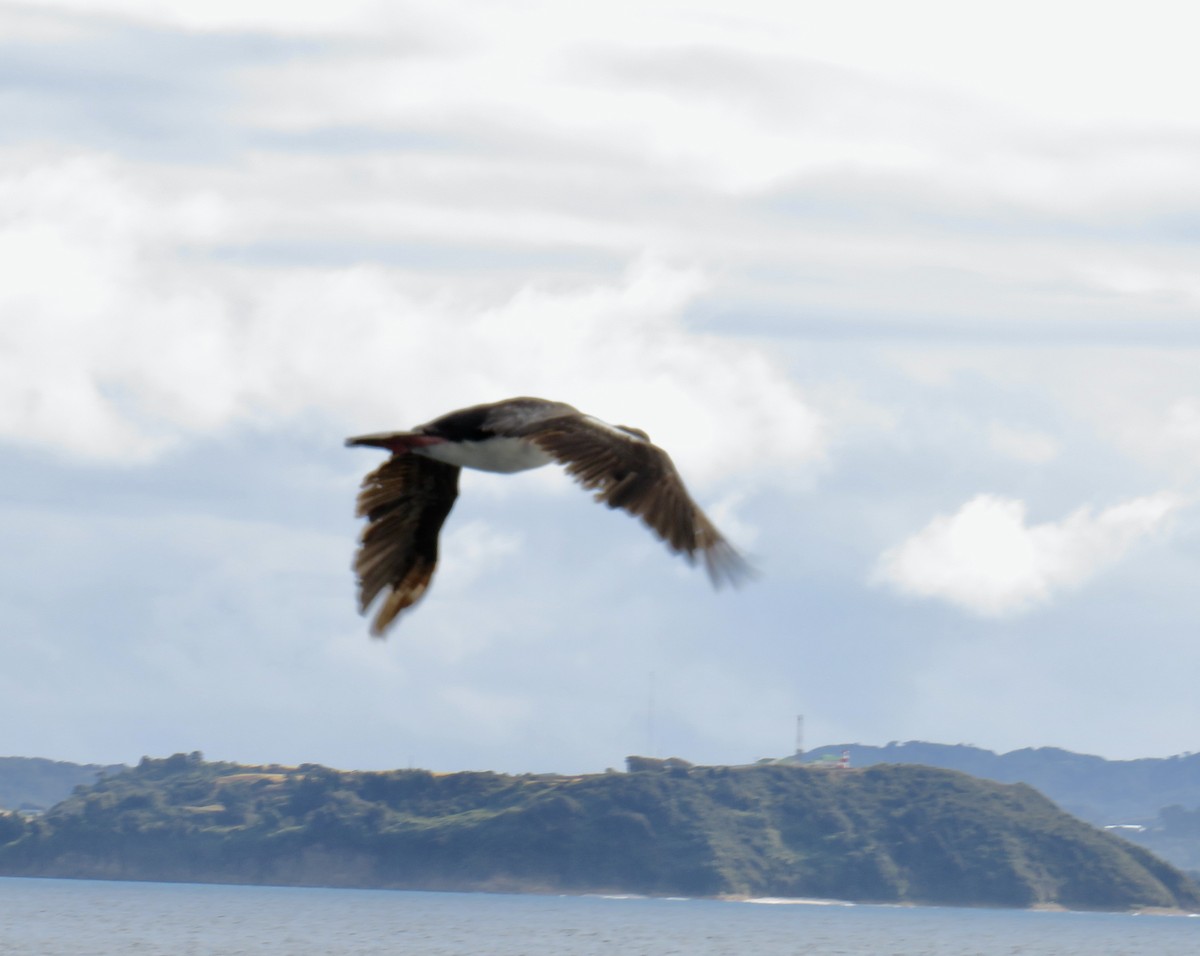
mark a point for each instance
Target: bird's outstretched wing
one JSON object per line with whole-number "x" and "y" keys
{"x": 405, "y": 501}
{"x": 629, "y": 472}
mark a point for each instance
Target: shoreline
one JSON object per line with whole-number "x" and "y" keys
{"x": 611, "y": 894}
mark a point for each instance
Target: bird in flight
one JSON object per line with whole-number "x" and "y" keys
{"x": 407, "y": 498}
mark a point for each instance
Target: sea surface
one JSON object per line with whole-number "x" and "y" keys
{"x": 88, "y": 918}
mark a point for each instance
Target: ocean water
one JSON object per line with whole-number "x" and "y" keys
{"x": 88, "y": 918}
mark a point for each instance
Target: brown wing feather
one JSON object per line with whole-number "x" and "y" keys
{"x": 639, "y": 477}
{"x": 405, "y": 501}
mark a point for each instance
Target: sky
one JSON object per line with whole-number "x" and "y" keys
{"x": 910, "y": 293}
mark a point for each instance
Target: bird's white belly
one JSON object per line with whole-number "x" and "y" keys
{"x": 492, "y": 454}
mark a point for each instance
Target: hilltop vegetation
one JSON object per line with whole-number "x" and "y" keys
{"x": 893, "y": 833}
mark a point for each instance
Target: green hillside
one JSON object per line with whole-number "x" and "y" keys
{"x": 889, "y": 833}
{"x": 1155, "y": 800}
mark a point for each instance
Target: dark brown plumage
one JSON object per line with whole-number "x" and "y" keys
{"x": 407, "y": 499}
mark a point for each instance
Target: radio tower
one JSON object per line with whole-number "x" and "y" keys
{"x": 799, "y": 735}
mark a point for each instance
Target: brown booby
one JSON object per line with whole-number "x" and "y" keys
{"x": 407, "y": 498}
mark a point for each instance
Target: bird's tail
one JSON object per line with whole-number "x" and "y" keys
{"x": 396, "y": 442}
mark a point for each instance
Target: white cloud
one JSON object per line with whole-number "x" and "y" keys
{"x": 986, "y": 559}
{"x": 1183, "y": 423}
{"x": 126, "y": 340}
{"x": 103, "y": 335}
{"x": 1066, "y": 48}
{"x": 1022, "y": 444}
{"x": 25, "y": 23}
{"x": 293, "y": 16}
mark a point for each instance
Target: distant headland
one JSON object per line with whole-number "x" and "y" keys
{"x": 886, "y": 833}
